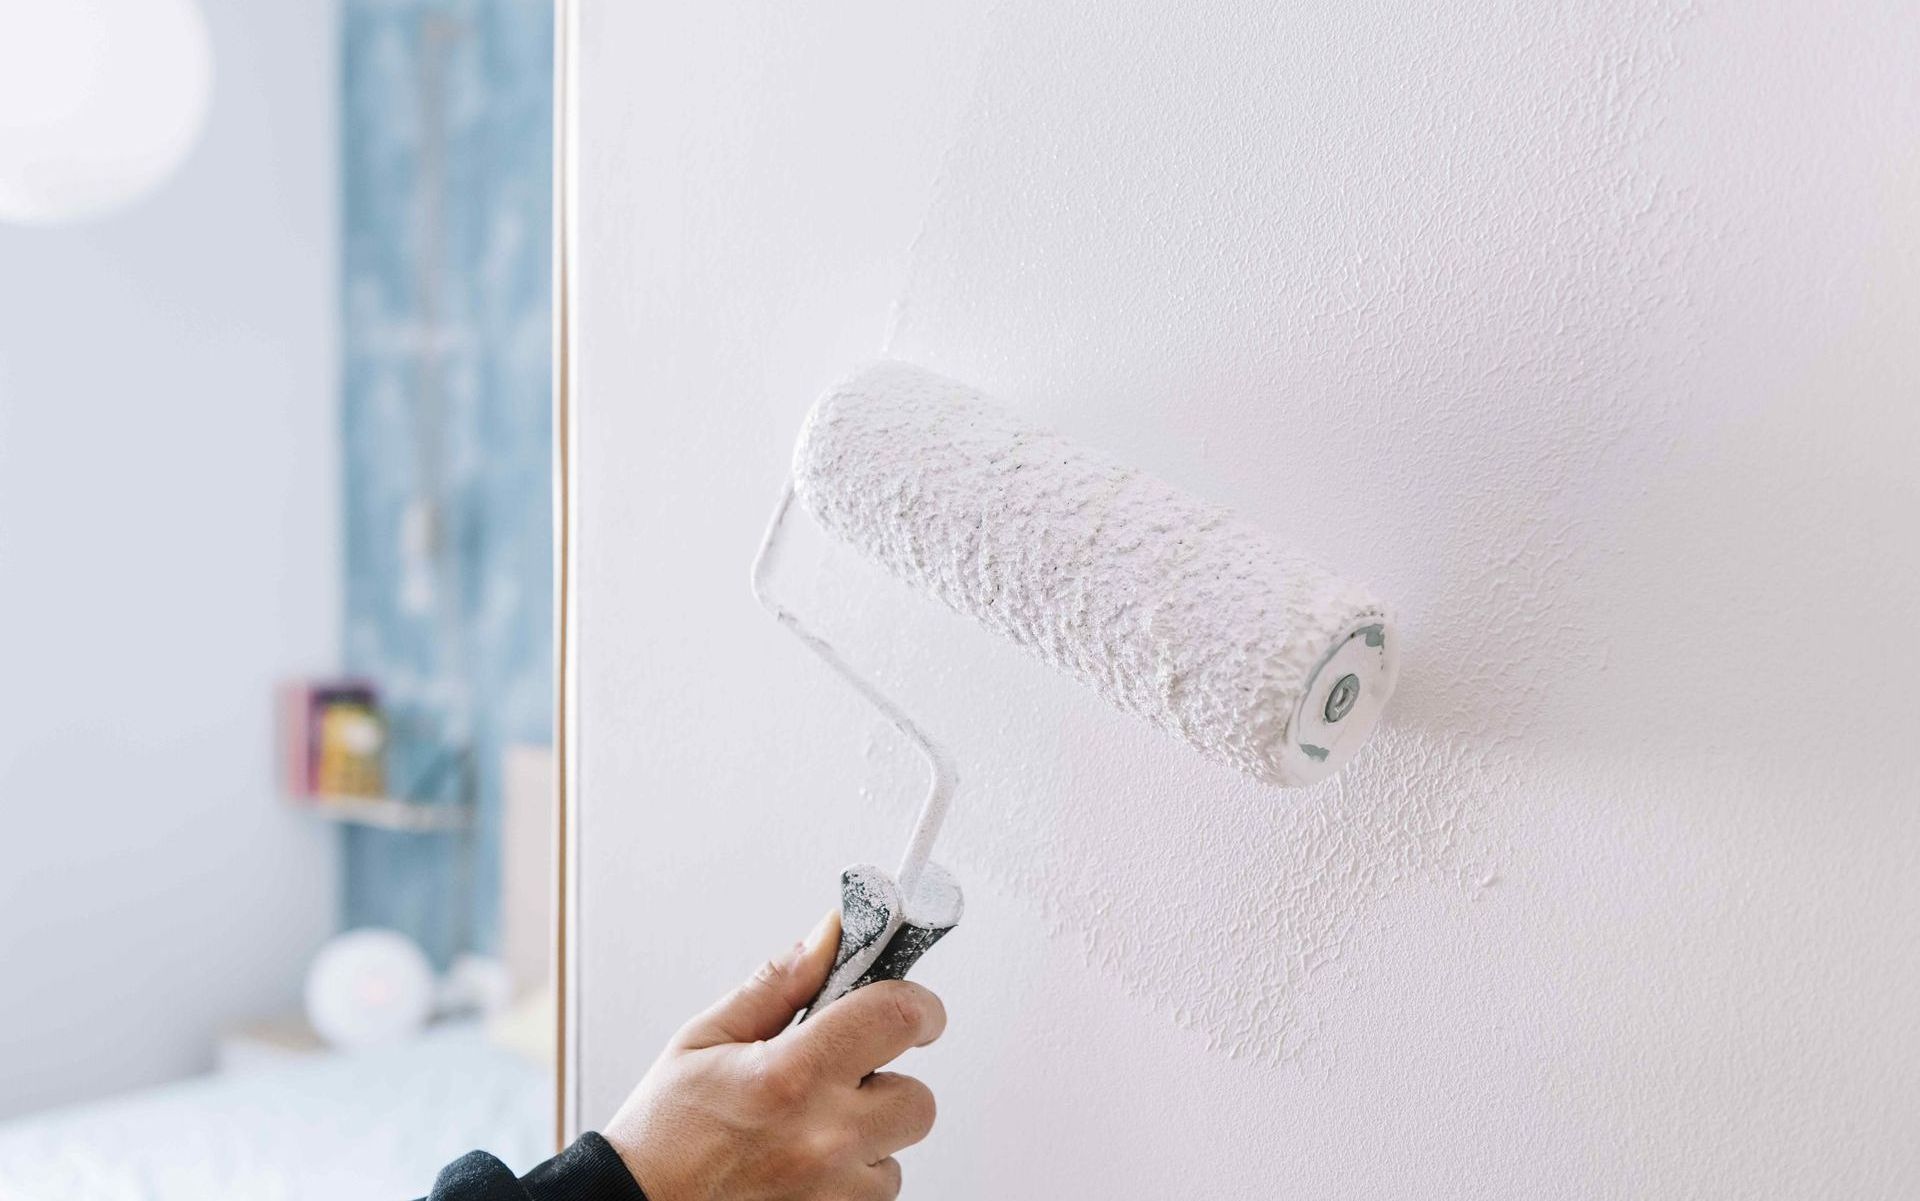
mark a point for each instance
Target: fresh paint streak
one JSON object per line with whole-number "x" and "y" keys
{"x": 1584, "y": 336}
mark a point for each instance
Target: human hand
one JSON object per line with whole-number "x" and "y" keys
{"x": 741, "y": 1108}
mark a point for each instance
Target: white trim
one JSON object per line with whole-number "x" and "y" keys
{"x": 567, "y": 1083}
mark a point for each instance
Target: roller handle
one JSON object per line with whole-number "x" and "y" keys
{"x": 877, "y": 942}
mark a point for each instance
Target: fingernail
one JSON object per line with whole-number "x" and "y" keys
{"x": 795, "y": 955}
{"x": 807, "y": 945}
{"x": 821, "y": 929}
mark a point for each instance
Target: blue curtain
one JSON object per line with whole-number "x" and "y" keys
{"x": 447, "y": 150}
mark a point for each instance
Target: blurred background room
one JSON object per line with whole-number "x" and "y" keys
{"x": 276, "y": 601}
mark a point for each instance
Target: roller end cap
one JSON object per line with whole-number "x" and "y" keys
{"x": 1342, "y": 702}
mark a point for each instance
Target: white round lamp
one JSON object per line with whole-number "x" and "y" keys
{"x": 99, "y": 101}
{"x": 368, "y": 987}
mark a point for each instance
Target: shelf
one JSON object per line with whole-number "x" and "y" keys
{"x": 390, "y": 813}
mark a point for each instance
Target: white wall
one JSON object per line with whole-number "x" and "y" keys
{"x": 1588, "y": 338}
{"x": 168, "y": 544}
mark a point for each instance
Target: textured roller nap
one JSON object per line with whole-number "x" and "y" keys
{"x": 1170, "y": 607}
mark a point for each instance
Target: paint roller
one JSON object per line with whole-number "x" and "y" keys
{"x": 1172, "y": 608}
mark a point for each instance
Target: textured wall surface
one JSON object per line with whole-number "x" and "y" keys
{"x": 1584, "y": 338}
{"x": 446, "y": 149}
{"x": 169, "y": 544}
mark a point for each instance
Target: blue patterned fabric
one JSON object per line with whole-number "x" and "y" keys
{"x": 446, "y": 140}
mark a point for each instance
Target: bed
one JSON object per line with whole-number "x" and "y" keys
{"x": 331, "y": 1124}
{"x": 375, "y": 1124}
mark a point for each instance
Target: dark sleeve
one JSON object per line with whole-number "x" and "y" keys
{"x": 589, "y": 1170}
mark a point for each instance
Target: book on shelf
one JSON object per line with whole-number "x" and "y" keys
{"x": 333, "y": 739}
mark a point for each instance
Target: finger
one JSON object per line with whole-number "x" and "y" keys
{"x": 894, "y": 1113}
{"x": 881, "y": 1182}
{"x": 867, "y": 1029}
{"x": 766, "y": 1003}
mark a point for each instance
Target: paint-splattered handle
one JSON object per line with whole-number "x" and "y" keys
{"x": 902, "y": 951}
{"x": 876, "y": 941}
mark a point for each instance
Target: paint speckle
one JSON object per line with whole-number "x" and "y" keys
{"x": 1236, "y": 919}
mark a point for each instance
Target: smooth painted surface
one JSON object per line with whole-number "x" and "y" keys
{"x": 1586, "y": 339}
{"x": 169, "y": 544}
{"x": 446, "y": 409}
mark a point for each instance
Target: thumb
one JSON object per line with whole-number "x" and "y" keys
{"x": 766, "y": 1003}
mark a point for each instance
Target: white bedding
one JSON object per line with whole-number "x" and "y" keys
{"x": 374, "y": 1124}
